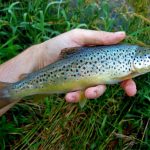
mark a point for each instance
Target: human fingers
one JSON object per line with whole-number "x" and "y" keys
{"x": 73, "y": 97}
{"x": 90, "y": 93}
{"x": 130, "y": 87}
{"x": 91, "y": 37}
{"x": 95, "y": 92}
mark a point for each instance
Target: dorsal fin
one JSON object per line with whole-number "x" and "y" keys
{"x": 22, "y": 76}
{"x": 68, "y": 51}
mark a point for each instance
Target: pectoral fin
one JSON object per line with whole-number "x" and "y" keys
{"x": 130, "y": 76}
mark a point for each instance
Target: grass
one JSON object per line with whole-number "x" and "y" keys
{"x": 113, "y": 121}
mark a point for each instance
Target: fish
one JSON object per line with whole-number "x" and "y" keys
{"x": 79, "y": 68}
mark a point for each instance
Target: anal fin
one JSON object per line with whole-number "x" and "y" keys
{"x": 39, "y": 98}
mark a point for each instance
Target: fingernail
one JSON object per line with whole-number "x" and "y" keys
{"x": 120, "y": 33}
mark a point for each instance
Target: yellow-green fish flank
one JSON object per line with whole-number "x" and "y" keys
{"x": 80, "y": 68}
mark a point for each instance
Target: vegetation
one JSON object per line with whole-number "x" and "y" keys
{"x": 113, "y": 121}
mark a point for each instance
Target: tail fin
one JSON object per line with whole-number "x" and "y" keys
{"x": 5, "y": 98}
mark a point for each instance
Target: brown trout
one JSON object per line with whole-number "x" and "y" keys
{"x": 79, "y": 68}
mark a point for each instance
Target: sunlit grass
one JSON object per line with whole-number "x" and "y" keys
{"x": 113, "y": 121}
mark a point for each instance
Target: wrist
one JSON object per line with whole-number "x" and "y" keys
{"x": 23, "y": 63}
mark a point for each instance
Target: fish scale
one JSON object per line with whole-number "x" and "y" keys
{"x": 79, "y": 68}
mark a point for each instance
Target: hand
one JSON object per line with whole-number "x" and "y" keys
{"x": 50, "y": 50}
{"x": 40, "y": 55}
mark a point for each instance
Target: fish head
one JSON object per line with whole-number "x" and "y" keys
{"x": 141, "y": 62}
